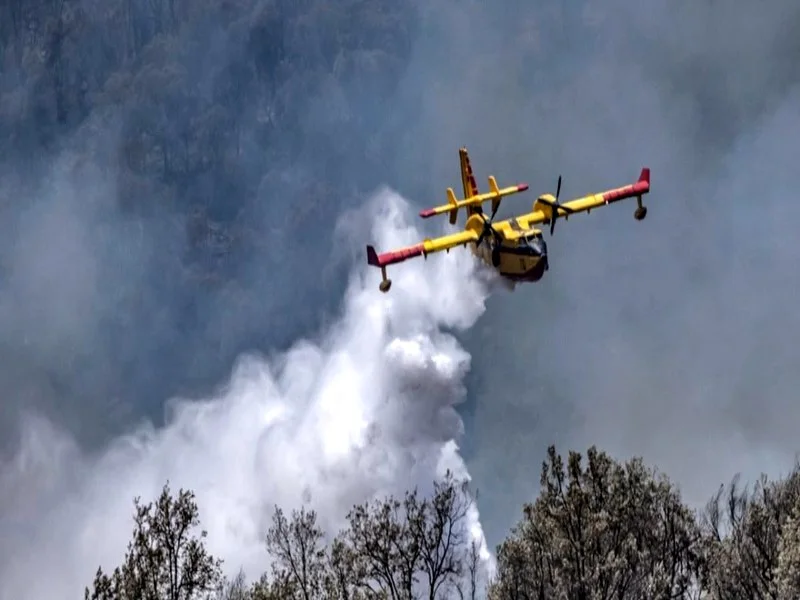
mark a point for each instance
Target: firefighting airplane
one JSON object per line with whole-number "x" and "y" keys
{"x": 513, "y": 247}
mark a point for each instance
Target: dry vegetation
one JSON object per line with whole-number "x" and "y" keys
{"x": 599, "y": 530}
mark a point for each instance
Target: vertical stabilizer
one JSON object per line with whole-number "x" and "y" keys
{"x": 468, "y": 181}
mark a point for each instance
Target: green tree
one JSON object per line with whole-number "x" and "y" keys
{"x": 165, "y": 559}
{"x": 601, "y": 530}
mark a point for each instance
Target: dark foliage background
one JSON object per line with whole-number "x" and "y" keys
{"x": 171, "y": 171}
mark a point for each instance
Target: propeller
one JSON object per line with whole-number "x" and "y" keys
{"x": 556, "y": 206}
{"x": 487, "y": 227}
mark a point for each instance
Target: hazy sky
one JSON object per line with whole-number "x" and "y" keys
{"x": 669, "y": 338}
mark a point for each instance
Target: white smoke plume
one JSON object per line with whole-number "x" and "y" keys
{"x": 365, "y": 410}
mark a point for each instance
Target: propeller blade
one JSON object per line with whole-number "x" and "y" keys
{"x": 558, "y": 188}
{"x": 486, "y": 225}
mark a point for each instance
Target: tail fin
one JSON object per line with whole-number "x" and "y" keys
{"x": 645, "y": 175}
{"x": 468, "y": 180}
{"x": 372, "y": 257}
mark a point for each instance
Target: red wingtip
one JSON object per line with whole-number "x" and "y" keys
{"x": 522, "y": 187}
{"x": 394, "y": 256}
{"x": 645, "y": 175}
{"x": 428, "y": 212}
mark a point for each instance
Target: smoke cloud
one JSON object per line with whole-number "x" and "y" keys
{"x": 671, "y": 338}
{"x": 367, "y": 408}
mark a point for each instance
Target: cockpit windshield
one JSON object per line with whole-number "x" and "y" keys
{"x": 534, "y": 244}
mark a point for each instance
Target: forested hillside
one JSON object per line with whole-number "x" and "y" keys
{"x": 199, "y": 148}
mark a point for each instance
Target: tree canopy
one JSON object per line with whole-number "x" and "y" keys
{"x": 600, "y": 529}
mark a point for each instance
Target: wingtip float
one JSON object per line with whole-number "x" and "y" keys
{"x": 513, "y": 247}
{"x": 388, "y": 258}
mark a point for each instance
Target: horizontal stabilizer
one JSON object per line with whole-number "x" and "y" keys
{"x": 453, "y": 204}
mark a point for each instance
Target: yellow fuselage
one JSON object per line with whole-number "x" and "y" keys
{"x": 517, "y": 260}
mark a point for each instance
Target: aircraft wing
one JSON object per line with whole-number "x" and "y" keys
{"x": 424, "y": 248}
{"x": 590, "y": 202}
